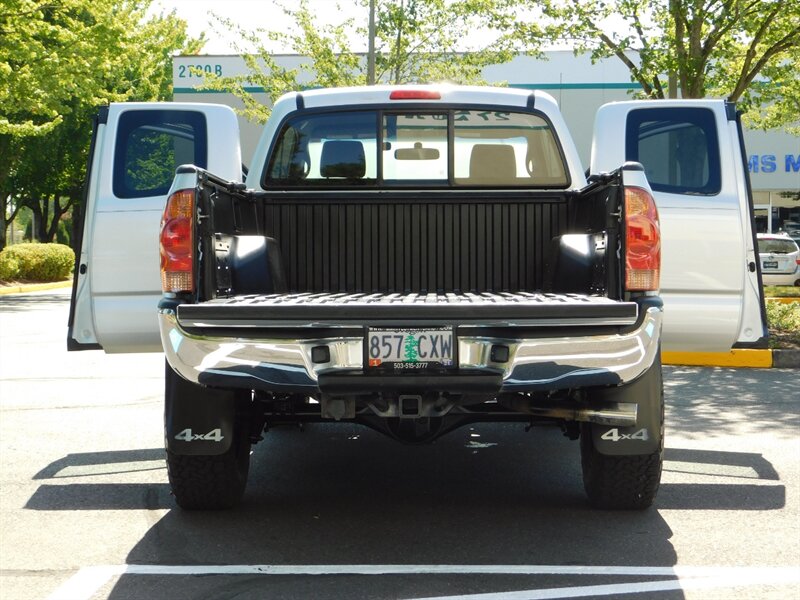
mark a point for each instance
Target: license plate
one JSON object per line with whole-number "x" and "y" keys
{"x": 410, "y": 349}
{"x": 770, "y": 264}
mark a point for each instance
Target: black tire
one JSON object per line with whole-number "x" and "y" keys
{"x": 201, "y": 478}
{"x": 622, "y": 482}
{"x": 210, "y": 482}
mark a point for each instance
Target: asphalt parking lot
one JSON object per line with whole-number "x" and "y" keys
{"x": 340, "y": 512}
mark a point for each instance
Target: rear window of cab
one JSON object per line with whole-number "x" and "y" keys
{"x": 472, "y": 148}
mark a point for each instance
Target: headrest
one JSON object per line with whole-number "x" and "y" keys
{"x": 343, "y": 158}
{"x": 493, "y": 162}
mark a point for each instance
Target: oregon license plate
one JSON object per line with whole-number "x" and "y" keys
{"x": 410, "y": 349}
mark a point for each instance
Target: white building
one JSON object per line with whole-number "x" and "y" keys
{"x": 578, "y": 86}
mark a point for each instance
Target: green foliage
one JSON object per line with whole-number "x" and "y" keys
{"x": 746, "y": 50}
{"x": 150, "y": 160}
{"x": 264, "y": 72}
{"x": 781, "y": 291}
{"x": 784, "y": 316}
{"x": 784, "y": 324}
{"x": 53, "y": 54}
{"x": 36, "y": 262}
{"x": 64, "y": 232}
{"x": 429, "y": 40}
{"x": 416, "y": 41}
{"x": 58, "y": 62}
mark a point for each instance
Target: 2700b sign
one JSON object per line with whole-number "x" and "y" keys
{"x": 410, "y": 349}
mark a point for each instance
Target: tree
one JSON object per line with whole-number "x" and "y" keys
{"x": 428, "y": 40}
{"x": 416, "y": 41}
{"x": 59, "y": 60}
{"x": 745, "y": 50}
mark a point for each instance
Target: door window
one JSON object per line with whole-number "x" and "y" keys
{"x": 151, "y": 145}
{"x": 678, "y": 147}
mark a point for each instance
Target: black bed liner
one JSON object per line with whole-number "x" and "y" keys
{"x": 339, "y": 309}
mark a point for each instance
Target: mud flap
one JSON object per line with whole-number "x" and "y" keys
{"x": 198, "y": 421}
{"x": 645, "y": 436}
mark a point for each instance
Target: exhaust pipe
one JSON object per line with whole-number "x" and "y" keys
{"x": 619, "y": 414}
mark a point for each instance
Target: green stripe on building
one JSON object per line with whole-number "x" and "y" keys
{"x": 576, "y": 86}
{"x": 522, "y": 86}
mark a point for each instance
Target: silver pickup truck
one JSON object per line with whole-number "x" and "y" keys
{"x": 414, "y": 259}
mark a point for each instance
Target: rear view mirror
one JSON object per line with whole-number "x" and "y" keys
{"x": 416, "y": 153}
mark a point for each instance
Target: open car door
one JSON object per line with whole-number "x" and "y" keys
{"x": 135, "y": 150}
{"x": 693, "y": 155}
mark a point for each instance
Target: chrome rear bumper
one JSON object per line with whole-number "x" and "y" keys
{"x": 286, "y": 365}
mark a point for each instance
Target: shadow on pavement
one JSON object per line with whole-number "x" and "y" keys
{"x": 101, "y": 496}
{"x": 720, "y": 496}
{"x": 703, "y": 402}
{"x": 15, "y": 303}
{"x": 447, "y": 472}
{"x": 346, "y": 495}
{"x": 62, "y": 467}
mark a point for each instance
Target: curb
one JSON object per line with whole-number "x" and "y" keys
{"x": 761, "y": 359}
{"x": 34, "y": 287}
{"x": 784, "y": 300}
{"x": 786, "y": 359}
{"x": 754, "y": 359}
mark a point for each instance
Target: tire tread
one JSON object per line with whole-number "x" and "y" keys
{"x": 207, "y": 482}
{"x": 621, "y": 482}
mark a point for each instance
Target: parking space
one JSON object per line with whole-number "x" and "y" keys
{"x": 340, "y": 511}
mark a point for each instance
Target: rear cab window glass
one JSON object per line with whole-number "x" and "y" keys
{"x": 151, "y": 145}
{"x": 507, "y": 149}
{"x": 474, "y": 148}
{"x": 415, "y": 147}
{"x": 326, "y": 149}
{"x": 678, "y": 147}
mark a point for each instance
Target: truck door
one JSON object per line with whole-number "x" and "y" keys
{"x": 693, "y": 156}
{"x": 135, "y": 150}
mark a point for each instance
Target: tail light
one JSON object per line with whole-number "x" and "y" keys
{"x": 177, "y": 243}
{"x": 642, "y": 241}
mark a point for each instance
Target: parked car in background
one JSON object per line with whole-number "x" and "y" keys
{"x": 780, "y": 259}
{"x": 792, "y": 229}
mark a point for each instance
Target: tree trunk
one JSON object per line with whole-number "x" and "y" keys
{"x": 5, "y": 168}
{"x": 6, "y": 218}
{"x": 52, "y": 226}
{"x": 3, "y": 224}
{"x": 38, "y": 222}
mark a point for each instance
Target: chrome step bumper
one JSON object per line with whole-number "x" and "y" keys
{"x": 286, "y": 365}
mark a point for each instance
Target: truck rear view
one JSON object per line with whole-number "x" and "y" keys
{"x": 412, "y": 259}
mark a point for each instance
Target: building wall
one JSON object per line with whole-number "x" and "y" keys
{"x": 578, "y": 86}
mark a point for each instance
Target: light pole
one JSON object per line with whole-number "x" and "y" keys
{"x": 371, "y": 48}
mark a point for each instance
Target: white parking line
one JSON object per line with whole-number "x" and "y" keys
{"x": 87, "y": 581}
{"x": 698, "y": 583}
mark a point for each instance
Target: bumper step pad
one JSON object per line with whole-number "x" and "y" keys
{"x": 340, "y": 309}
